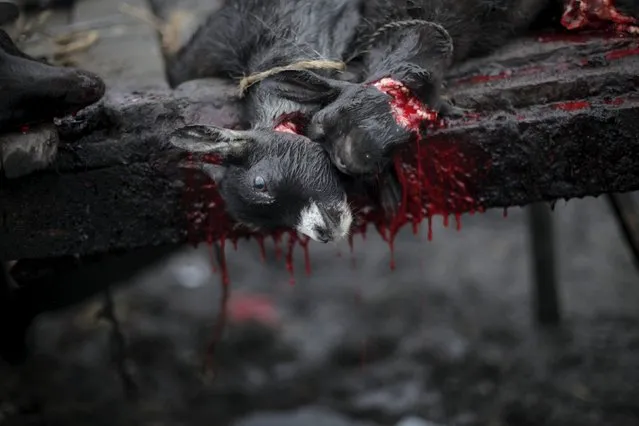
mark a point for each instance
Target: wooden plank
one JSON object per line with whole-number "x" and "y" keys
{"x": 568, "y": 129}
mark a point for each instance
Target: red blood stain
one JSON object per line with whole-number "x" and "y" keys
{"x": 560, "y": 67}
{"x": 615, "y": 101}
{"x": 503, "y": 75}
{"x": 572, "y": 106}
{"x": 292, "y": 239}
{"x": 307, "y": 258}
{"x": 621, "y": 53}
{"x": 260, "y": 243}
{"x": 277, "y": 239}
{"x": 258, "y": 308}
{"x": 24, "y": 129}
{"x": 436, "y": 178}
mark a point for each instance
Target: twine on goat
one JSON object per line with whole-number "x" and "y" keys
{"x": 322, "y": 64}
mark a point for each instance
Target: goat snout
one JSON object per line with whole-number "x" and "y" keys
{"x": 323, "y": 234}
{"x": 325, "y": 223}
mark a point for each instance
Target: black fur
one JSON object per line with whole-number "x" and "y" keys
{"x": 356, "y": 125}
{"x": 293, "y": 172}
{"x": 250, "y": 36}
{"x": 352, "y": 121}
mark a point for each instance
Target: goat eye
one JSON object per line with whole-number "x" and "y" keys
{"x": 259, "y": 183}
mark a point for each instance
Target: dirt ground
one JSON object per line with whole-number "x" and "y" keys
{"x": 448, "y": 335}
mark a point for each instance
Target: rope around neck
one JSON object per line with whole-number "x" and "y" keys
{"x": 250, "y": 80}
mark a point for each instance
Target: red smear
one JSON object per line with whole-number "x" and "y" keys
{"x": 257, "y": 308}
{"x": 436, "y": 177}
{"x": 307, "y": 259}
{"x": 437, "y": 180}
{"x": 220, "y": 322}
{"x": 294, "y": 122}
{"x": 223, "y": 267}
{"x": 292, "y": 239}
{"x": 616, "y": 101}
{"x": 613, "y": 33}
{"x": 622, "y": 53}
{"x": 572, "y": 106}
{"x": 24, "y": 129}
{"x": 277, "y": 240}
{"x": 260, "y": 243}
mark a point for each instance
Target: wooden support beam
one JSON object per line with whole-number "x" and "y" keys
{"x": 556, "y": 120}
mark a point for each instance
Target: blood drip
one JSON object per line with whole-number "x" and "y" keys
{"x": 260, "y": 243}
{"x": 307, "y": 259}
{"x": 292, "y": 239}
{"x": 213, "y": 260}
{"x": 622, "y": 53}
{"x": 435, "y": 177}
{"x": 277, "y": 238}
{"x": 220, "y": 321}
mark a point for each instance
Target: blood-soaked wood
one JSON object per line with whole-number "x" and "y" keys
{"x": 563, "y": 127}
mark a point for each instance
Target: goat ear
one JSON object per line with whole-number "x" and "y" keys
{"x": 228, "y": 144}
{"x": 305, "y": 86}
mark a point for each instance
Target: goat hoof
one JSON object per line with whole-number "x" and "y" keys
{"x": 35, "y": 92}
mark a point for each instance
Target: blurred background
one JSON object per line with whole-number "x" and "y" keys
{"x": 447, "y": 338}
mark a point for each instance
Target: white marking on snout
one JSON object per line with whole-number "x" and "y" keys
{"x": 346, "y": 219}
{"x": 311, "y": 220}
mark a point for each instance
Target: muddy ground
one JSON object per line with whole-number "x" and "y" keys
{"x": 445, "y": 339}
